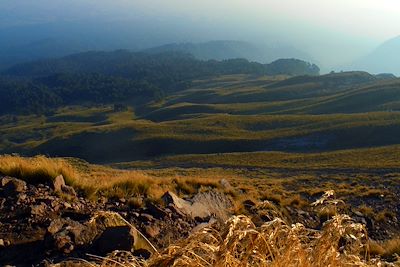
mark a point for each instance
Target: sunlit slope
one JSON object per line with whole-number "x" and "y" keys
{"x": 236, "y": 113}
{"x": 119, "y": 138}
{"x": 352, "y": 92}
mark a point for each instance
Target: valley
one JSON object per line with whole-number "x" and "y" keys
{"x": 244, "y": 140}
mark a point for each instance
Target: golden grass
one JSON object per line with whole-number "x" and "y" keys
{"x": 37, "y": 169}
{"x": 387, "y": 249}
{"x": 239, "y": 242}
{"x": 98, "y": 181}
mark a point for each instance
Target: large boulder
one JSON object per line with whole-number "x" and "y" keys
{"x": 193, "y": 210}
{"x": 105, "y": 232}
{"x": 202, "y": 206}
{"x": 115, "y": 238}
{"x": 126, "y": 236}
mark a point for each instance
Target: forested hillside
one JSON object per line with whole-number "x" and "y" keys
{"x": 120, "y": 76}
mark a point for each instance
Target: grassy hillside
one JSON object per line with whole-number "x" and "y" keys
{"x": 235, "y": 113}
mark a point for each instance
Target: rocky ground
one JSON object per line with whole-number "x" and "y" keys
{"x": 41, "y": 224}
{"x": 45, "y": 223}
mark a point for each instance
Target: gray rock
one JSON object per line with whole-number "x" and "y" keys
{"x": 193, "y": 210}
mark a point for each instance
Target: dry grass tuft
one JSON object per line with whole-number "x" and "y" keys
{"x": 239, "y": 242}
{"x": 98, "y": 181}
{"x": 275, "y": 243}
{"x": 37, "y": 169}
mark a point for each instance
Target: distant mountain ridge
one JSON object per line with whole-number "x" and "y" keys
{"x": 127, "y": 64}
{"x": 228, "y": 49}
{"x": 384, "y": 59}
{"x": 110, "y": 77}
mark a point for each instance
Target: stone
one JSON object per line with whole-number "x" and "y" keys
{"x": 201, "y": 226}
{"x": 155, "y": 211}
{"x": 225, "y": 184}
{"x": 152, "y": 230}
{"x": 55, "y": 226}
{"x": 63, "y": 243}
{"x": 194, "y": 210}
{"x": 144, "y": 217}
{"x": 58, "y": 183}
{"x": 2, "y": 243}
{"x": 13, "y": 186}
{"x": 115, "y": 238}
{"x": 115, "y": 233}
{"x": 69, "y": 190}
{"x": 187, "y": 208}
{"x": 38, "y": 210}
{"x": 249, "y": 204}
{"x": 358, "y": 213}
{"x": 60, "y": 187}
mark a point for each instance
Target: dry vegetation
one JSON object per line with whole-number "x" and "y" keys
{"x": 239, "y": 242}
{"x": 98, "y": 181}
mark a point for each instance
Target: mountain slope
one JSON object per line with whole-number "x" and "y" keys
{"x": 384, "y": 59}
{"x": 220, "y": 50}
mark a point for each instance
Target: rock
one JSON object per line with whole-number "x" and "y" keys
{"x": 116, "y": 233}
{"x": 60, "y": 187}
{"x": 63, "y": 243}
{"x": 152, "y": 230}
{"x": 155, "y": 211}
{"x": 358, "y": 213}
{"x": 55, "y": 226}
{"x": 201, "y": 226}
{"x": 249, "y": 204}
{"x": 225, "y": 184}
{"x": 69, "y": 190}
{"x": 115, "y": 238}
{"x": 58, "y": 183}
{"x": 2, "y": 243}
{"x": 38, "y": 210}
{"x": 193, "y": 210}
{"x": 144, "y": 217}
{"x": 21, "y": 197}
{"x": 79, "y": 234}
{"x": 12, "y": 186}
{"x": 211, "y": 204}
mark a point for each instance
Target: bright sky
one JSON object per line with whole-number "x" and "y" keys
{"x": 372, "y": 18}
{"x": 342, "y": 26}
{"x": 369, "y": 18}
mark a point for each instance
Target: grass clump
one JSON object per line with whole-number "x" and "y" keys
{"x": 239, "y": 242}
{"x": 95, "y": 181}
{"x": 39, "y": 169}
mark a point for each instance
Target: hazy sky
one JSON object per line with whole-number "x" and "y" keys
{"x": 333, "y": 31}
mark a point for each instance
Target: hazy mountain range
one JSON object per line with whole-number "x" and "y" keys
{"x": 24, "y": 43}
{"x": 220, "y": 50}
{"x": 384, "y": 59}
